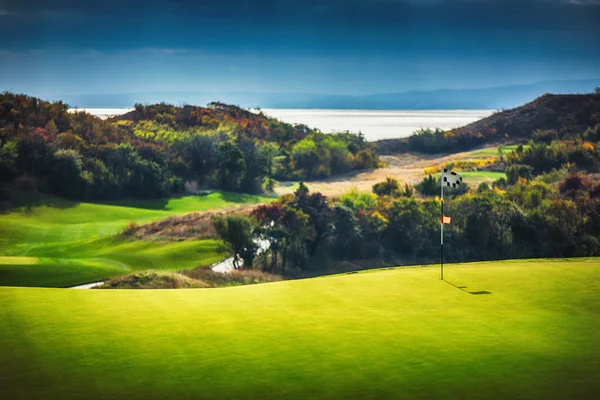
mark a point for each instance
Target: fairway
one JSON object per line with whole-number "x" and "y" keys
{"x": 482, "y": 176}
{"x": 72, "y": 263}
{"x": 60, "y": 243}
{"x": 493, "y": 151}
{"x": 59, "y": 220}
{"x": 493, "y": 330}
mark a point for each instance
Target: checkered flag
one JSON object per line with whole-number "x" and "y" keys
{"x": 451, "y": 179}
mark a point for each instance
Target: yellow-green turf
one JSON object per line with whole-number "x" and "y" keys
{"x": 488, "y": 176}
{"x": 62, "y": 243}
{"x": 62, "y": 220}
{"x": 493, "y": 151}
{"x": 71, "y": 263}
{"x": 493, "y": 330}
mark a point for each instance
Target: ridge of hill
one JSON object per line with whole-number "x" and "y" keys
{"x": 567, "y": 115}
{"x": 188, "y": 115}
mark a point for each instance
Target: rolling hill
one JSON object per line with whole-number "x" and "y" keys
{"x": 569, "y": 114}
{"x": 49, "y": 241}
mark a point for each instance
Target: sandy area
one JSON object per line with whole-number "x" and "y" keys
{"x": 406, "y": 168}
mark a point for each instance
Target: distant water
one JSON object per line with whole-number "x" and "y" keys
{"x": 374, "y": 125}
{"x": 103, "y": 112}
{"x": 377, "y": 125}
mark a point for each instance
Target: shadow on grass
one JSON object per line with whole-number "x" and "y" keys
{"x": 150, "y": 204}
{"x": 463, "y": 288}
{"x": 12, "y": 200}
{"x": 161, "y": 203}
{"x": 240, "y": 198}
{"x": 26, "y": 201}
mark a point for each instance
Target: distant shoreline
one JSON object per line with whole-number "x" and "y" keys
{"x": 374, "y": 124}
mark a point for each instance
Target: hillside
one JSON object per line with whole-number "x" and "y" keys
{"x": 567, "y": 115}
{"x": 493, "y": 330}
{"x": 159, "y": 150}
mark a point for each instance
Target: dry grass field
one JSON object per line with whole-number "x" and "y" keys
{"x": 407, "y": 168}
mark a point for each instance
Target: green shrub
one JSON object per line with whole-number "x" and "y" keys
{"x": 483, "y": 187}
{"x": 429, "y": 186}
{"x": 517, "y": 171}
{"x": 500, "y": 183}
{"x": 389, "y": 187}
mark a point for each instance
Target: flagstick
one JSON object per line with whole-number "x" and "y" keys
{"x": 442, "y": 230}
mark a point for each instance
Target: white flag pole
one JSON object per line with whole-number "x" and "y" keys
{"x": 442, "y": 228}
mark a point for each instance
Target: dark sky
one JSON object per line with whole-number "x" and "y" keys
{"x": 53, "y": 48}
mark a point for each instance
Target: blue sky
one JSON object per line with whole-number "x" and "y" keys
{"x": 65, "y": 47}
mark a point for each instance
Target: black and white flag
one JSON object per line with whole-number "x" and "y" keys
{"x": 451, "y": 179}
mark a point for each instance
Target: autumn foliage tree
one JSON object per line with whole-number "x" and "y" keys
{"x": 153, "y": 150}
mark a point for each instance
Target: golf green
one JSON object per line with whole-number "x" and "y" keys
{"x": 482, "y": 176}
{"x": 493, "y": 330}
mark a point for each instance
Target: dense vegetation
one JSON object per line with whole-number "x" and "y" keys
{"x": 546, "y": 118}
{"x": 547, "y": 206}
{"x": 530, "y": 219}
{"x": 157, "y": 150}
{"x": 546, "y": 203}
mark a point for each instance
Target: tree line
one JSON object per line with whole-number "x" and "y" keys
{"x": 547, "y": 206}
{"x": 309, "y": 233}
{"x": 154, "y": 150}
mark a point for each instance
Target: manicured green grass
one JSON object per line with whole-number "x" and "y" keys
{"x": 493, "y": 151}
{"x": 493, "y": 330}
{"x": 71, "y": 263}
{"x": 482, "y": 176}
{"x": 70, "y": 243}
{"x": 196, "y": 203}
{"x": 63, "y": 220}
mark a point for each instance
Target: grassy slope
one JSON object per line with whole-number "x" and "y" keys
{"x": 386, "y": 334}
{"x": 72, "y": 263}
{"x": 493, "y": 151}
{"x": 66, "y": 243}
{"x": 65, "y": 221}
{"x": 481, "y": 176}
